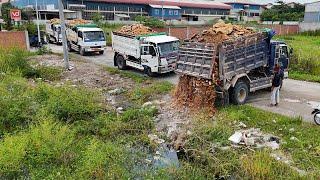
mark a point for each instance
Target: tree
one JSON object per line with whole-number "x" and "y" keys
{"x": 283, "y": 12}
{"x": 97, "y": 18}
{"x": 5, "y": 10}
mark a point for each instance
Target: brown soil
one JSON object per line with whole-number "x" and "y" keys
{"x": 136, "y": 29}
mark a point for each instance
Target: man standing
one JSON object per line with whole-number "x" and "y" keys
{"x": 276, "y": 85}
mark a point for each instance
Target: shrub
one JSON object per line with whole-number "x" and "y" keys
{"x": 49, "y": 73}
{"x": 150, "y": 21}
{"x": 69, "y": 104}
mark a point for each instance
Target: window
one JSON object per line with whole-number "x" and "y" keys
{"x": 170, "y": 12}
{"x": 156, "y": 12}
{"x": 176, "y": 13}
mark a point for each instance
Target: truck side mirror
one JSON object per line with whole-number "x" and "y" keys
{"x": 291, "y": 50}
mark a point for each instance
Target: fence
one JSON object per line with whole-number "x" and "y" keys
{"x": 305, "y": 26}
{"x": 17, "y": 39}
{"x": 187, "y": 32}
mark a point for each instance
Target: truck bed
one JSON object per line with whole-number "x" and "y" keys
{"x": 126, "y": 44}
{"x": 228, "y": 59}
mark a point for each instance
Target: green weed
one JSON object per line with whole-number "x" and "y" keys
{"x": 49, "y": 73}
{"x": 138, "y": 78}
{"x": 304, "y": 77}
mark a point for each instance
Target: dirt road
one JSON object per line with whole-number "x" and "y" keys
{"x": 297, "y": 97}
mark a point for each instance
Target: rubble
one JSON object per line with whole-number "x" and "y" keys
{"x": 221, "y": 32}
{"x": 116, "y": 91}
{"x": 155, "y": 138}
{"x": 255, "y": 138}
{"x": 136, "y": 30}
{"x": 195, "y": 93}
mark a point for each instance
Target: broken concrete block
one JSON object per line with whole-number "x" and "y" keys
{"x": 273, "y": 145}
{"x": 236, "y": 137}
{"x": 249, "y": 141}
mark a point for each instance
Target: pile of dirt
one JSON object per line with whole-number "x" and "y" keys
{"x": 136, "y": 30}
{"x": 55, "y": 21}
{"x": 75, "y": 22}
{"x": 195, "y": 93}
{"x": 221, "y": 32}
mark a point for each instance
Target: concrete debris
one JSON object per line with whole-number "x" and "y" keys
{"x": 242, "y": 125}
{"x": 116, "y": 91}
{"x": 255, "y": 138}
{"x": 291, "y": 129}
{"x": 147, "y": 104}
{"x": 156, "y": 139}
{"x": 120, "y": 110}
{"x": 294, "y": 138}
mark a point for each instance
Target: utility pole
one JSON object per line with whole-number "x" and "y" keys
{"x": 162, "y": 13}
{"x": 63, "y": 33}
{"x": 38, "y": 25}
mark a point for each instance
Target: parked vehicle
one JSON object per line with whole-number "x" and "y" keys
{"x": 53, "y": 30}
{"x": 85, "y": 38}
{"x": 240, "y": 66}
{"x": 33, "y": 39}
{"x": 154, "y": 53}
{"x": 316, "y": 113}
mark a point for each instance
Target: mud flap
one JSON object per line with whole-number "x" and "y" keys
{"x": 223, "y": 98}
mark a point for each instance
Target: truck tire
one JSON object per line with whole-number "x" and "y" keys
{"x": 81, "y": 51}
{"x": 101, "y": 52}
{"x": 149, "y": 72}
{"x": 121, "y": 62}
{"x": 240, "y": 93}
{"x": 69, "y": 46}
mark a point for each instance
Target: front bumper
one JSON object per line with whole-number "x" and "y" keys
{"x": 93, "y": 49}
{"x": 167, "y": 69}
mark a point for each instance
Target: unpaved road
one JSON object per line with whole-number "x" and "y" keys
{"x": 297, "y": 97}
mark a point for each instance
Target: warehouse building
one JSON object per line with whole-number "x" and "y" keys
{"x": 311, "y": 17}
{"x": 129, "y": 9}
{"x": 245, "y": 10}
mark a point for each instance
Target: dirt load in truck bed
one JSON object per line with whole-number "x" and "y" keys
{"x": 197, "y": 93}
{"x": 136, "y": 30}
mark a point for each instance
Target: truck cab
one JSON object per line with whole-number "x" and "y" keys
{"x": 160, "y": 53}
{"x": 54, "y": 33}
{"x": 86, "y": 38}
{"x": 152, "y": 53}
{"x": 280, "y": 54}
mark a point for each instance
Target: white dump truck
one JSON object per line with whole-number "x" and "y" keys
{"x": 53, "y": 31}
{"x": 154, "y": 53}
{"x": 85, "y": 38}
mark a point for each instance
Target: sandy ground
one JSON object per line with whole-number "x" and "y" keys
{"x": 297, "y": 97}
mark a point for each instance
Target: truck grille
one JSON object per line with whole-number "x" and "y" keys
{"x": 95, "y": 46}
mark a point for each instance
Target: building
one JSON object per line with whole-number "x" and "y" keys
{"x": 311, "y": 17}
{"x": 244, "y": 10}
{"x": 312, "y": 12}
{"x": 129, "y": 9}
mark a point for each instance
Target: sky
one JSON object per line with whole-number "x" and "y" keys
{"x": 268, "y": 1}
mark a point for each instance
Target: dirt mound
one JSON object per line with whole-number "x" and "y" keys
{"x": 75, "y": 22}
{"x": 221, "y": 32}
{"x": 195, "y": 93}
{"x": 136, "y": 30}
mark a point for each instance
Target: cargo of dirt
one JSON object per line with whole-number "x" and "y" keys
{"x": 197, "y": 93}
{"x": 136, "y": 30}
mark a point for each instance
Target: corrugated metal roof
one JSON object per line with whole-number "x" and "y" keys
{"x": 245, "y": 2}
{"x": 164, "y": 7}
{"x": 180, "y": 3}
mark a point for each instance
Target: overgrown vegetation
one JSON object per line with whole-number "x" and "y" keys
{"x": 138, "y": 78}
{"x": 303, "y": 62}
{"x": 150, "y": 21}
{"x": 283, "y": 12}
{"x": 203, "y": 157}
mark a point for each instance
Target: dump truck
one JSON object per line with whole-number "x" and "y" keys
{"x": 154, "y": 53}
{"x": 84, "y": 38}
{"x": 237, "y": 66}
{"x": 53, "y": 31}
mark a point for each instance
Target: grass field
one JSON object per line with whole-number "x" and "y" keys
{"x": 305, "y": 62}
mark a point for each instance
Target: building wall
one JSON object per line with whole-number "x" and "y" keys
{"x": 312, "y": 12}
{"x": 11, "y": 39}
{"x": 167, "y": 13}
{"x": 251, "y": 12}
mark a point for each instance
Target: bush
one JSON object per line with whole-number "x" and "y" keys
{"x": 49, "y": 73}
{"x": 150, "y": 21}
{"x": 69, "y": 104}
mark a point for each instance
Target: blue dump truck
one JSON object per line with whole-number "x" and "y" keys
{"x": 237, "y": 66}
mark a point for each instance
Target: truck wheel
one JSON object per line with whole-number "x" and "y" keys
{"x": 240, "y": 93}
{"x": 101, "y": 52}
{"x": 81, "y": 51}
{"x": 317, "y": 118}
{"x": 69, "y": 46}
{"x": 149, "y": 72}
{"x": 121, "y": 62}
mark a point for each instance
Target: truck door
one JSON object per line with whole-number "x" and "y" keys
{"x": 149, "y": 57}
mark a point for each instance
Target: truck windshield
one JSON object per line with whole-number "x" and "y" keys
{"x": 93, "y": 36}
{"x": 169, "y": 47}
